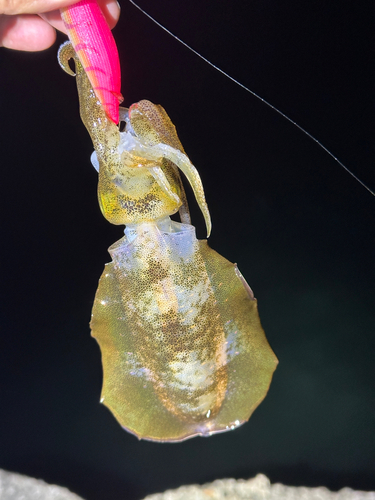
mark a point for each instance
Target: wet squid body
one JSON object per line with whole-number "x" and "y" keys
{"x": 183, "y": 350}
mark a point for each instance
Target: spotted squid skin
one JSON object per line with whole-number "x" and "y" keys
{"x": 95, "y": 46}
{"x": 167, "y": 299}
{"x": 183, "y": 350}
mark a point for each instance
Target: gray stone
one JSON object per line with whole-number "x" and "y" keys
{"x": 258, "y": 488}
{"x": 17, "y": 487}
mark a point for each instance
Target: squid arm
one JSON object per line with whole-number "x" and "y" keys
{"x": 95, "y": 46}
{"x": 162, "y": 131}
{"x": 191, "y": 173}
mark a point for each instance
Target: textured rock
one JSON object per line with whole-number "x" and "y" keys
{"x": 258, "y": 488}
{"x": 17, "y": 487}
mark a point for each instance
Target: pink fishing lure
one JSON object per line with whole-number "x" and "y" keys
{"x": 96, "y": 48}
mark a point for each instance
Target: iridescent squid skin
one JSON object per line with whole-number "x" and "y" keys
{"x": 183, "y": 350}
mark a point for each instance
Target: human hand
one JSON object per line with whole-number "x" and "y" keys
{"x": 30, "y": 24}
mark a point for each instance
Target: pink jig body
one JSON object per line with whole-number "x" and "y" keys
{"x": 96, "y": 48}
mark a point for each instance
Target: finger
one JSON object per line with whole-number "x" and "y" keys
{"x": 110, "y": 9}
{"x": 54, "y": 19}
{"x": 13, "y": 7}
{"x": 26, "y": 32}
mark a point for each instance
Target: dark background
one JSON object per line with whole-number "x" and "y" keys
{"x": 299, "y": 227}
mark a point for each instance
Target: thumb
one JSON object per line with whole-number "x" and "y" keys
{"x": 13, "y": 7}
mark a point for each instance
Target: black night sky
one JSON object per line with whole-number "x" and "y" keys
{"x": 299, "y": 227}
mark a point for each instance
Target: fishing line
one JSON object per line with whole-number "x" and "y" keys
{"x": 264, "y": 101}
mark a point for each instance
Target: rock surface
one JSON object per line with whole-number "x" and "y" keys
{"x": 17, "y": 487}
{"x": 258, "y": 488}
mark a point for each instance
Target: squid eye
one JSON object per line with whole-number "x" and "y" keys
{"x": 124, "y": 122}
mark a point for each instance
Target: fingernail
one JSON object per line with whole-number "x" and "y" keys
{"x": 114, "y": 9}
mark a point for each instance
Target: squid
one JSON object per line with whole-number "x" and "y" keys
{"x": 183, "y": 350}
